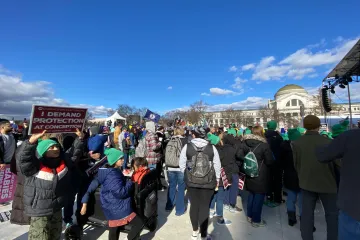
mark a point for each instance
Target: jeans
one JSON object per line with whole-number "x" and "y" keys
{"x": 126, "y": 158}
{"x": 307, "y": 217}
{"x": 349, "y": 228}
{"x": 218, "y": 198}
{"x": 292, "y": 198}
{"x": 232, "y": 191}
{"x": 176, "y": 179}
{"x": 254, "y": 206}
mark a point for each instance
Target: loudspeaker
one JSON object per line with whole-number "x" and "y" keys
{"x": 325, "y": 100}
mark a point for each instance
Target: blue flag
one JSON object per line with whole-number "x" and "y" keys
{"x": 152, "y": 116}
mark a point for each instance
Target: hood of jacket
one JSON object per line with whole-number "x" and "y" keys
{"x": 252, "y": 140}
{"x": 271, "y": 133}
{"x": 230, "y": 140}
{"x": 199, "y": 142}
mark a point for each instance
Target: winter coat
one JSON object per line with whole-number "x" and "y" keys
{"x": 346, "y": 146}
{"x": 274, "y": 139}
{"x": 291, "y": 180}
{"x": 44, "y": 192}
{"x": 227, "y": 155}
{"x": 18, "y": 215}
{"x": 96, "y": 143}
{"x": 115, "y": 193}
{"x": 126, "y": 146}
{"x": 265, "y": 159}
{"x": 313, "y": 175}
{"x": 153, "y": 148}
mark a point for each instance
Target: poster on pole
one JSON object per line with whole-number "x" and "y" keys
{"x": 7, "y": 185}
{"x": 55, "y": 119}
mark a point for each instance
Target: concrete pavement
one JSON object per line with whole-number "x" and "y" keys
{"x": 179, "y": 228}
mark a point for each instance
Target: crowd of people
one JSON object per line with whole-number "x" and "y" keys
{"x": 305, "y": 164}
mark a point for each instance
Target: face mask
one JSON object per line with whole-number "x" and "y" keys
{"x": 51, "y": 162}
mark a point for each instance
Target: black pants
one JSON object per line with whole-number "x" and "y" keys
{"x": 199, "y": 208}
{"x": 276, "y": 184}
{"x": 134, "y": 234}
{"x": 159, "y": 169}
{"x": 307, "y": 217}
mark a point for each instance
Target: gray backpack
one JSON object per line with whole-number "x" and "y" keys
{"x": 200, "y": 172}
{"x": 172, "y": 152}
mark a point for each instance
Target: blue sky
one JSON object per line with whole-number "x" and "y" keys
{"x": 105, "y": 53}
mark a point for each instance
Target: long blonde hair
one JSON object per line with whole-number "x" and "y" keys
{"x": 116, "y": 134}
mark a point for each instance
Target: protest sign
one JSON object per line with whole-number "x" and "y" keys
{"x": 56, "y": 119}
{"x": 7, "y": 185}
{"x": 324, "y": 127}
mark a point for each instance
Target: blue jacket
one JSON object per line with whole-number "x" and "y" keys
{"x": 114, "y": 193}
{"x": 96, "y": 143}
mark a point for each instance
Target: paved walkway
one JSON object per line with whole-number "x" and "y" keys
{"x": 179, "y": 228}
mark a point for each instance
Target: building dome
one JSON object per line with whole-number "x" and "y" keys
{"x": 290, "y": 88}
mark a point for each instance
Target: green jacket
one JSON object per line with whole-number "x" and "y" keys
{"x": 313, "y": 175}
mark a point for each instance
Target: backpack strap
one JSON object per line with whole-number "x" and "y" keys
{"x": 255, "y": 147}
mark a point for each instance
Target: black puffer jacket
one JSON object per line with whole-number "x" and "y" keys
{"x": 46, "y": 193}
{"x": 275, "y": 140}
{"x": 291, "y": 180}
{"x": 228, "y": 162}
{"x": 265, "y": 159}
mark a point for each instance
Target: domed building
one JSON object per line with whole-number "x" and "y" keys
{"x": 289, "y": 98}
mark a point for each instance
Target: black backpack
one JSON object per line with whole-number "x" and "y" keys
{"x": 200, "y": 172}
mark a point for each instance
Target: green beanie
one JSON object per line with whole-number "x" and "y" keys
{"x": 247, "y": 131}
{"x": 285, "y": 136}
{"x": 272, "y": 125}
{"x": 301, "y": 130}
{"x": 213, "y": 139}
{"x": 44, "y": 145}
{"x": 232, "y": 131}
{"x": 113, "y": 155}
{"x": 240, "y": 132}
{"x": 294, "y": 134}
{"x": 328, "y": 134}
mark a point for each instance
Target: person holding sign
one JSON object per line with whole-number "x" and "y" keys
{"x": 47, "y": 179}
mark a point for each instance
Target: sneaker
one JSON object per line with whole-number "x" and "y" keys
{"x": 235, "y": 209}
{"x": 68, "y": 225}
{"x": 260, "y": 224}
{"x": 223, "y": 222}
{"x": 249, "y": 219}
{"x": 212, "y": 215}
{"x": 195, "y": 235}
{"x": 226, "y": 207}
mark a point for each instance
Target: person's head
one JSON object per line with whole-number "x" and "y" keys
{"x": 212, "y": 130}
{"x": 124, "y": 129}
{"x": 199, "y": 132}
{"x": 139, "y": 162}
{"x": 115, "y": 157}
{"x": 48, "y": 148}
{"x": 178, "y": 131}
{"x": 161, "y": 129}
{"x": 258, "y": 131}
{"x": 150, "y": 126}
{"x": 94, "y": 130}
{"x": 272, "y": 125}
{"x": 312, "y": 123}
{"x": 293, "y": 134}
{"x": 5, "y": 126}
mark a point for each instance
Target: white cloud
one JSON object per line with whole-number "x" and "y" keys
{"x": 249, "y": 103}
{"x": 248, "y": 67}
{"x": 303, "y": 62}
{"x": 170, "y": 88}
{"x": 205, "y": 94}
{"x": 17, "y": 96}
{"x": 299, "y": 73}
{"x": 238, "y": 84}
{"x": 233, "y": 69}
{"x": 220, "y": 91}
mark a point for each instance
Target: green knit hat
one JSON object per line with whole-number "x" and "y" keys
{"x": 338, "y": 129}
{"x": 294, "y": 134}
{"x": 213, "y": 139}
{"x": 285, "y": 136}
{"x": 328, "y": 134}
{"x": 113, "y": 155}
{"x": 232, "y": 131}
{"x": 272, "y": 125}
{"x": 247, "y": 131}
{"x": 301, "y": 130}
{"x": 240, "y": 132}
{"x": 44, "y": 145}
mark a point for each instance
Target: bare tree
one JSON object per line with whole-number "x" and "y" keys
{"x": 110, "y": 112}
{"x": 266, "y": 113}
{"x": 230, "y": 115}
{"x": 196, "y": 112}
